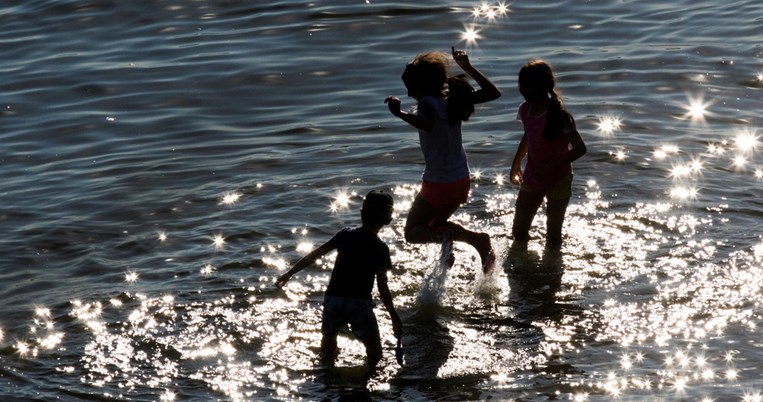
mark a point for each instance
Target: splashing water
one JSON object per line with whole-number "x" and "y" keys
{"x": 433, "y": 287}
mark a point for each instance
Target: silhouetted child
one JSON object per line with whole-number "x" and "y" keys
{"x": 551, "y": 143}
{"x": 443, "y": 102}
{"x": 361, "y": 258}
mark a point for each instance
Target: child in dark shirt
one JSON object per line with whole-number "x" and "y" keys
{"x": 361, "y": 258}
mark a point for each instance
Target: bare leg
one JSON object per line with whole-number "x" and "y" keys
{"x": 427, "y": 224}
{"x": 480, "y": 241}
{"x": 555, "y": 211}
{"x": 527, "y": 206}
{"x": 417, "y": 225}
{"x": 329, "y": 349}
{"x": 373, "y": 351}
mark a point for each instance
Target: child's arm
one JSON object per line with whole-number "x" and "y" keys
{"x": 577, "y": 147}
{"x": 488, "y": 91}
{"x": 304, "y": 262}
{"x": 386, "y": 298}
{"x": 417, "y": 121}
{"x": 516, "y": 166}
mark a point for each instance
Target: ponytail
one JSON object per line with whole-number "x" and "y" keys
{"x": 538, "y": 74}
{"x": 460, "y": 102}
{"x": 557, "y": 117}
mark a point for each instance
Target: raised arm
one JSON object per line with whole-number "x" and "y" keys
{"x": 304, "y": 262}
{"x": 386, "y": 298}
{"x": 487, "y": 91}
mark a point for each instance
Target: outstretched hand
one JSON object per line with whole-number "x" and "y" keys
{"x": 461, "y": 58}
{"x": 393, "y": 103}
{"x": 281, "y": 281}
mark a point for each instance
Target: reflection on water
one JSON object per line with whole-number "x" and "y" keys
{"x": 556, "y": 319}
{"x": 653, "y": 297}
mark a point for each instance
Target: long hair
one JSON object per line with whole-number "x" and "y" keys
{"x": 538, "y": 74}
{"x": 427, "y": 73}
{"x": 460, "y": 101}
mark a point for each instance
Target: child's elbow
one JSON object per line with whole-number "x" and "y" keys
{"x": 495, "y": 94}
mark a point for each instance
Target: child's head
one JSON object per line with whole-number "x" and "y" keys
{"x": 538, "y": 84}
{"x": 377, "y": 208}
{"x": 426, "y": 75}
{"x": 536, "y": 81}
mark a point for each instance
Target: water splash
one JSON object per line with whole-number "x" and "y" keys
{"x": 433, "y": 287}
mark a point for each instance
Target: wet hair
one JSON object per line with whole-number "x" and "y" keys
{"x": 540, "y": 75}
{"x": 377, "y": 208}
{"x": 427, "y": 73}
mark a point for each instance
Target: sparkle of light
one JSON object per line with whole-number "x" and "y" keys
{"x": 683, "y": 193}
{"x": 230, "y": 198}
{"x": 470, "y": 35}
{"x": 696, "y": 110}
{"x": 746, "y": 141}
{"x": 218, "y": 241}
{"x": 43, "y": 312}
{"x": 131, "y": 277}
{"x": 305, "y": 247}
{"x": 608, "y": 125}
{"x": 619, "y": 155}
{"x": 22, "y": 347}
{"x": 739, "y": 162}
{"x": 341, "y": 201}
{"x": 499, "y": 179}
{"x": 716, "y": 149}
{"x": 665, "y": 151}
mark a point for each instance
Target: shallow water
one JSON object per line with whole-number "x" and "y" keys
{"x": 165, "y": 161}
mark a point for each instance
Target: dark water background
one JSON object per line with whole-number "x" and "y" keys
{"x": 163, "y": 161}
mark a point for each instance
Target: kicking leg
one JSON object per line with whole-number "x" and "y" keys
{"x": 417, "y": 225}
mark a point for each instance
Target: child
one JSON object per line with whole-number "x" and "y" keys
{"x": 442, "y": 104}
{"x": 551, "y": 143}
{"x": 361, "y": 258}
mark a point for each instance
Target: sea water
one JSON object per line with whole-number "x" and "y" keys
{"x": 164, "y": 161}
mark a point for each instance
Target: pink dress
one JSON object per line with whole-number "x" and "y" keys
{"x": 541, "y": 150}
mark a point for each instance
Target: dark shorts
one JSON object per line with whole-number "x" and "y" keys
{"x": 560, "y": 190}
{"x": 446, "y": 196}
{"x": 359, "y": 313}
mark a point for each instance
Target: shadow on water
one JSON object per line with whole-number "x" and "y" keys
{"x": 428, "y": 344}
{"x": 534, "y": 281}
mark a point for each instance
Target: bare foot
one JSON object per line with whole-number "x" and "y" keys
{"x": 485, "y": 249}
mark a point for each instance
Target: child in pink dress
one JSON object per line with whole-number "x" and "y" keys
{"x": 551, "y": 143}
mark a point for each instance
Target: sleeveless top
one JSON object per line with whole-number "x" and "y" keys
{"x": 541, "y": 150}
{"x": 444, "y": 154}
